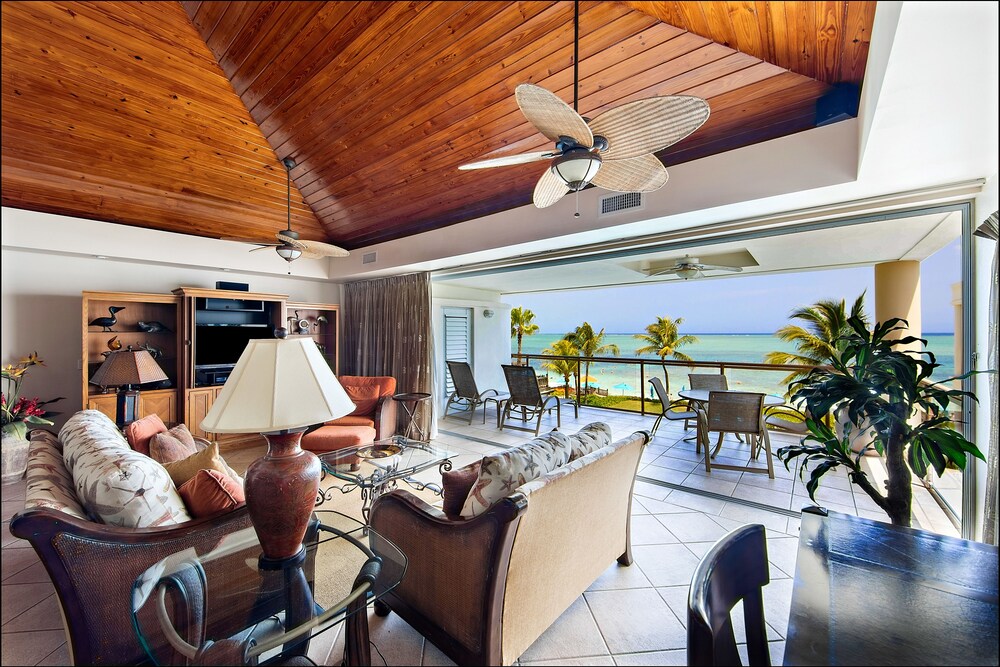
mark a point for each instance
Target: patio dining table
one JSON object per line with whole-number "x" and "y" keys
{"x": 701, "y": 396}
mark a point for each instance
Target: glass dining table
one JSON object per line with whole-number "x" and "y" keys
{"x": 228, "y": 606}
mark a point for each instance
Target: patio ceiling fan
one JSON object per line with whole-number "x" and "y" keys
{"x": 689, "y": 267}
{"x": 614, "y": 151}
{"x": 289, "y": 246}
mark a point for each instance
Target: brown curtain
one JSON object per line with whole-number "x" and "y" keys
{"x": 990, "y": 533}
{"x": 387, "y": 331}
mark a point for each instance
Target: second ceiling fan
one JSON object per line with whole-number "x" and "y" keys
{"x": 614, "y": 151}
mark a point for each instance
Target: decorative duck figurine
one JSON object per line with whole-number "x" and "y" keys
{"x": 152, "y": 327}
{"x": 108, "y": 322}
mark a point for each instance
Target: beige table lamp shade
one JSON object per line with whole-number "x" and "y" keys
{"x": 278, "y": 384}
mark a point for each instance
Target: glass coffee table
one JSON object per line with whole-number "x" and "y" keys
{"x": 226, "y": 606}
{"x": 379, "y": 467}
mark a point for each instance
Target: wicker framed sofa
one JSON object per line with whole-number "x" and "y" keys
{"x": 98, "y": 513}
{"x": 521, "y": 534}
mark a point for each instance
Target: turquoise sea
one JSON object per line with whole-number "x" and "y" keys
{"x": 624, "y": 380}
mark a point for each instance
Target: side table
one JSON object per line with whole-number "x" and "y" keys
{"x": 411, "y": 402}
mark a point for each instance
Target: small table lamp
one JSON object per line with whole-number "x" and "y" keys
{"x": 125, "y": 369}
{"x": 278, "y": 388}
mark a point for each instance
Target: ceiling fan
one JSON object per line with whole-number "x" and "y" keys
{"x": 689, "y": 267}
{"x": 614, "y": 151}
{"x": 289, "y": 246}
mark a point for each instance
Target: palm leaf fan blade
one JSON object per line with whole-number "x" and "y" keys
{"x": 649, "y": 125}
{"x": 639, "y": 174}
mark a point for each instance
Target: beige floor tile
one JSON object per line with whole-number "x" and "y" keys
{"x": 698, "y": 503}
{"x": 663, "y": 474}
{"x": 782, "y": 552}
{"x": 677, "y": 657}
{"x": 573, "y": 635}
{"x": 583, "y": 662}
{"x": 779, "y": 484}
{"x": 665, "y": 564}
{"x": 29, "y": 648}
{"x": 433, "y": 657}
{"x": 648, "y": 490}
{"x": 778, "y": 604}
{"x": 735, "y": 515}
{"x": 692, "y": 527}
{"x": 620, "y": 577}
{"x": 682, "y": 465}
{"x": 764, "y": 496}
{"x": 636, "y": 620}
{"x": 661, "y": 507}
{"x": 647, "y": 530}
{"x": 711, "y": 483}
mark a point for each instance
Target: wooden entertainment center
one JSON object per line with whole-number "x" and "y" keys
{"x": 201, "y": 335}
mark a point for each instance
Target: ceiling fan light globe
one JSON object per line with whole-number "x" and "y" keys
{"x": 288, "y": 253}
{"x": 576, "y": 167}
{"x": 688, "y": 273}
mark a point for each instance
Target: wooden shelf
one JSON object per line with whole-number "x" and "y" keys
{"x": 326, "y": 334}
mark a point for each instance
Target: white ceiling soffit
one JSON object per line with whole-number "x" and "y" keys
{"x": 863, "y": 244}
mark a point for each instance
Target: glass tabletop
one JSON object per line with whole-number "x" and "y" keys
{"x": 384, "y": 460}
{"x": 226, "y": 606}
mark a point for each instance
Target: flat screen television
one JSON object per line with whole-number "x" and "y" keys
{"x": 223, "y": 345}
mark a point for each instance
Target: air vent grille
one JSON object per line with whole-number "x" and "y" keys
{"x": 368, "y": 258}
{"x": 626, "y": 201}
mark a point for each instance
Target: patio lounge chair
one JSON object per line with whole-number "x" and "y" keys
{"x": 522, "y": 383}
{"x": 670, "y": 411}
{"x": 467, "y": 396}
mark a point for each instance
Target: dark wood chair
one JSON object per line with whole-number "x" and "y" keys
{"x": 522, "y": 383}
{"x": 734, "y": 569}
{"x": 467, "y": 396}
{"x": 679, "y": 410}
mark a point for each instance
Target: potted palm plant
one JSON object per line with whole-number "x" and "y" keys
{"x": 880, "y": 389}
{"x": 18, "y": 413}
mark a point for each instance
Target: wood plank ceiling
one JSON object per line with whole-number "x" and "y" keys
{"x": 174, "y": 116}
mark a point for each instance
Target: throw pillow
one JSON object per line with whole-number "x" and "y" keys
{"x": 500, "y": 474}
{"x": 455, "y": 485}
{"x": 365, "y": 398}
{"x": 210, "y": 492}
{"x": 589, "y": 439}
{"x": 207, "y": 459}
{"x": 49, "y": 484}
{"x": 116, "y": 485}
{"x": 139, "y": 432}
{"x": 173, "y": 445}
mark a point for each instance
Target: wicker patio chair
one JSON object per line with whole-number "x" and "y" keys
{"x": 467, "y": 396}
{"x": 522, "y": 383}
{"x": 735, "y": 412}
{"x": 678, "y": 410}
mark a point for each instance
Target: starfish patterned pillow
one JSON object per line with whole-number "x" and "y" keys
{"x": 502, "y": 473}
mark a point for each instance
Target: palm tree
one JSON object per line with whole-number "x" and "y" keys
{"x": 817, "y": 341}
{"x": 521, "y": 325}
{"x": 590, "y": 344}
{"x": 663, "y": 340}
{"x": 564, "y": 367}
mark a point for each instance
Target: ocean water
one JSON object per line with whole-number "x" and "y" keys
{"x": 620, "y": 379}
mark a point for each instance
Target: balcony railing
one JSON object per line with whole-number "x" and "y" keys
{"x": 603, "y": 389}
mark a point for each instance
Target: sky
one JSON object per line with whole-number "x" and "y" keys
{"x": 741, "y": 304}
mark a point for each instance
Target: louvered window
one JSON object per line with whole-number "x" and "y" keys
{"x": 457, "y": 340}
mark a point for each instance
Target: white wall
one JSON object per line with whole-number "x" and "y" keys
{"x": 41, "y": 307}
{"x": 490, "y": 336}
{"x": 986, "y": 410}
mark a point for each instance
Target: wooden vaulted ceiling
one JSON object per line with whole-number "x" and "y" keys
{"x": 174, "y": 116}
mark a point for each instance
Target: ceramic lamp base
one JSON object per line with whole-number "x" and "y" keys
{"x": 281, "y": 492}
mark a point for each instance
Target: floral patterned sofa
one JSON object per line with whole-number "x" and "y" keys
{"x": 521, "y": 534}
{"x": 98, "y": 514}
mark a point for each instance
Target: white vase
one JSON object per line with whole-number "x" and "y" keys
{"x": 15, "y": 457}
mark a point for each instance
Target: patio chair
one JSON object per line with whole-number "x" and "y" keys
{"x": 786, "y": 418}
{"x": 736, "y": 412}
{"x": 734, "y": 569}
{"x": 709, "y": 381}
{"x": 670, "y": 409}
{"x": 522, "y": 383}
{"x": 467, "y": 396}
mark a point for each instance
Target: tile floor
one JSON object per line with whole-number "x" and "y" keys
{"x": 629, "y": 616}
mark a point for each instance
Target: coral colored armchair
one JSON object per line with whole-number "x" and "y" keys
{"x": 374, "y": 418}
